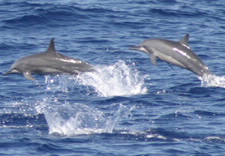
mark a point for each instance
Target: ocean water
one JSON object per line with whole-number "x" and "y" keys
{"x": 128, "y": 106}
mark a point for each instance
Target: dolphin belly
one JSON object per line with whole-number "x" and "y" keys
{"x": 191, "y": 63}
{"x": 47, "y": 70}
{"x": 167, "y": 58}
{"x": 198, "y": 68}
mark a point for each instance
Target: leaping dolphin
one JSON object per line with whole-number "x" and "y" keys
{"x": 48, "y": 62}
{"x": 177, "y": 53}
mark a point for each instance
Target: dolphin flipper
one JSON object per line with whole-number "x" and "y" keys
{"x": 153, "y": 59}
{"x": 28, "y": 76}
{"x": 170, "y": 65}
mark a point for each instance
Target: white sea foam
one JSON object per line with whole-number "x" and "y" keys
{"x": 59, "y": 83}
{"x": 212, "y": 81}
{"x": 74, "y": 119}
{"x": 116, "y": 80}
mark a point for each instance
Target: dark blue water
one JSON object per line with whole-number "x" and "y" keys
{"x": 128, "y": 106}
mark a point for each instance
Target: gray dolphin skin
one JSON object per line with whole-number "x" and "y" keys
{"x": 177, "y": 53}
{"x": 48, "y": 62}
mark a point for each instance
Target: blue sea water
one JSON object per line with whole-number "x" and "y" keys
{"x": 128, "y": 106}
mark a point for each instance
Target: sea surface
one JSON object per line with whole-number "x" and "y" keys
{"x": 128, "y": 106}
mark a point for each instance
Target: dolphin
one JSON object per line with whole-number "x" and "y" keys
{"x": 48, "y": 62}
{"x": 177, "y": 53}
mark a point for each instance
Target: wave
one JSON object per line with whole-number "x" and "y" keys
{"x": 53, "y": 14}
{"x": 178, "y": 12}
{"x": 22, "y": 120}
{"x": 69, "y": 119}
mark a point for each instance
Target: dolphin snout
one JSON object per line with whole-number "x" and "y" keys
{"x": 135, "y": 48}
{"x": 7, "y": 73}
{"x": 12, "y": 71}
{"x": 140, "y": 48}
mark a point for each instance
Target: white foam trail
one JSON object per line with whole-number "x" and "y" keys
{"x": 74, "y": 119}
{"x": 115, "y": 80}
{"x": 212, "y": 81}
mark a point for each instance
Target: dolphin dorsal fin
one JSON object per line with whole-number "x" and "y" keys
{"x": 51, "y": 46}
{"x": 185, "y": 40}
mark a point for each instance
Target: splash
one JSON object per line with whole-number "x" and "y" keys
{"x": 59, "y": 83}
{"x": 74, "y": 119}
{"x": 212, "y": 81}
{"x": 67, "y": 119}
{"x": 115, "y": 80}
